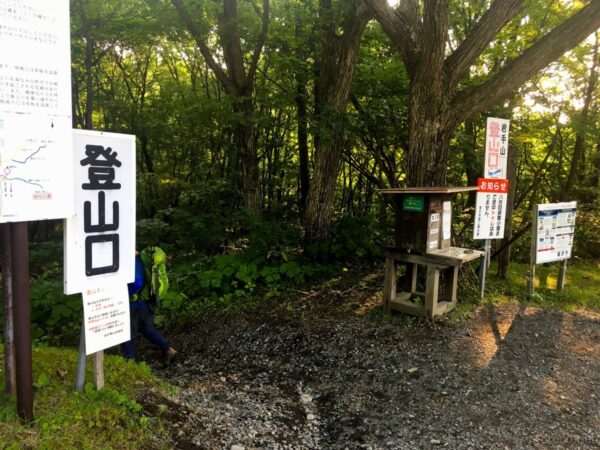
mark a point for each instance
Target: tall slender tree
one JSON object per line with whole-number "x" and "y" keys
{"x": 237, "y": 78}
{"x": 340, "y": 31}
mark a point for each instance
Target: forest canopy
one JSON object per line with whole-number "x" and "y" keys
{"x": 298, "y": 111}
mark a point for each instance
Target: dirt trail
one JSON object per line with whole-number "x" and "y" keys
{"x": 512, "y": 377}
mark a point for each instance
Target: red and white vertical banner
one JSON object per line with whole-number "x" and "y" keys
{"x": 496, "y": 148}
{"x": 492, "y": 195}
{"x": 490, "y": 208}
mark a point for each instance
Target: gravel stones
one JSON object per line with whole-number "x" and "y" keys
{"x": 365, "y": 383}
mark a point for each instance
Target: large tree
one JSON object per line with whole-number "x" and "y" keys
{"x": 340, "y": 31}
{"x": 438, "y": 101}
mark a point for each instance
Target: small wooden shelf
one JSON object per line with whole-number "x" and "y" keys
{"x": 449, "y": 259}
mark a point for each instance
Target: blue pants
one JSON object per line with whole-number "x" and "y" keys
{"x": 142, "y": 320}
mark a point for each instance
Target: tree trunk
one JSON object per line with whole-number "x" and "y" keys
{"x": 429, "y": 144}
{"x": 245, "y": 143}
{"x": 581, "y": 126}
{"x": 89, "y": 87}
{"x": 301, "y": 107}
{"x": 338, "y": 60}
{"x": 511, "y": 169}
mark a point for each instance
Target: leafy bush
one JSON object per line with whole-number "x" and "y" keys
{"x": 55, "y": 317}
{"x": 354, "y": 239}
{"x": 587, "y": 234}
{"x": 203, "y": 218}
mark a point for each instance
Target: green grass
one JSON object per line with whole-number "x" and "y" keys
{"x": 581, "y": 287}
{"x": 64, "y": 419}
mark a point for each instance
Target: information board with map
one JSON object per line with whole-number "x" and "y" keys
{"x": 554, "y": 231}
{"x": 35, "y": 110}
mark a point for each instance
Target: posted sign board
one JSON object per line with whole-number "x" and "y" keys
{"x": 100, "y": 236}
{"x": 496, "y": 148}
{"x": 106, "y": 317}
{"x": 490, "y": 208}
{"x": 492, "y": 195}
{"x": 554, "y": 231}
{"x": 35, "y": 110}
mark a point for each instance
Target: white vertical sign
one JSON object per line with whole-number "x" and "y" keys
{"x": 35, "y": 110}
{"x": 100, "y": 236}
{"x": 496, "y": 148}
{"x": 492, "y": 195}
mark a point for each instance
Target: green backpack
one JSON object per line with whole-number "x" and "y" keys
{"x": 154, "y": 260}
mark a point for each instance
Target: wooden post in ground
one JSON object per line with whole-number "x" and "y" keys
{"x": 10, "y": 381}
{"x": 99, "y": 370}
{"x": 432, "y": 285}
{"x": 389, "y": 289}
{"x": 533, "y": 251}
{"x": 22, "y": 319}
{"x": 562, "y": 275}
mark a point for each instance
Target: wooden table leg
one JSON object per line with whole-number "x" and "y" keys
{"x": 389, "y": 289}
{"x": 432, "y": 285}
{"x": 451, "y": 280}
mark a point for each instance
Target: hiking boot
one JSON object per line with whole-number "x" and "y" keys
{"x": 170, "y": 355}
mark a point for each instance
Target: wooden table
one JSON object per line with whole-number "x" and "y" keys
{"x": 448, "y": 259}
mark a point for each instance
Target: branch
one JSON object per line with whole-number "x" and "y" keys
{"x": 561, "y": 39}
{"x": 488, "y": 26}
{"x": 204, "y": 50}
{"x": 261, "y": 42}
{"x": 520, "y": 233}
{"x": 402, "y": 27}
{"x": 229, "y": 35}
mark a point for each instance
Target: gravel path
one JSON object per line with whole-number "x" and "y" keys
{"x": 512, "y": 377}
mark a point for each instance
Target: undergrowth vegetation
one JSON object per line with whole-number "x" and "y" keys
{"x": 64, "y": 418}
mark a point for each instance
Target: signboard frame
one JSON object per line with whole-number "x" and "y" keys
{"x": 534, "y": 244}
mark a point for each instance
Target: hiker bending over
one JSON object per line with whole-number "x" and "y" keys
{"x": 150, "y": 284}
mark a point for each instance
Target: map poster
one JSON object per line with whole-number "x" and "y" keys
{"x": 35, "y": 110}
{"x": 106, "y": 317}
{"x": 554, "y": 231}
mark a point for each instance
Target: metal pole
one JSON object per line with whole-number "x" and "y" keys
{"x": 81, "y": 360}
{"x": 532, "y": 260}
{"x": 562, "y": 275}
{"x": 22, "y": 319}
{"x": 484, "y": 264}
{"x": 9, "y": 336}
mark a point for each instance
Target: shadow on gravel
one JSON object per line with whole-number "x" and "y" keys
{"x": 514, "y": 377}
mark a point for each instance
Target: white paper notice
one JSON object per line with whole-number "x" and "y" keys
{"x": 35, "y": 110}
{"x": 106, "y": 317}
{"x": 447, "y": 221}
